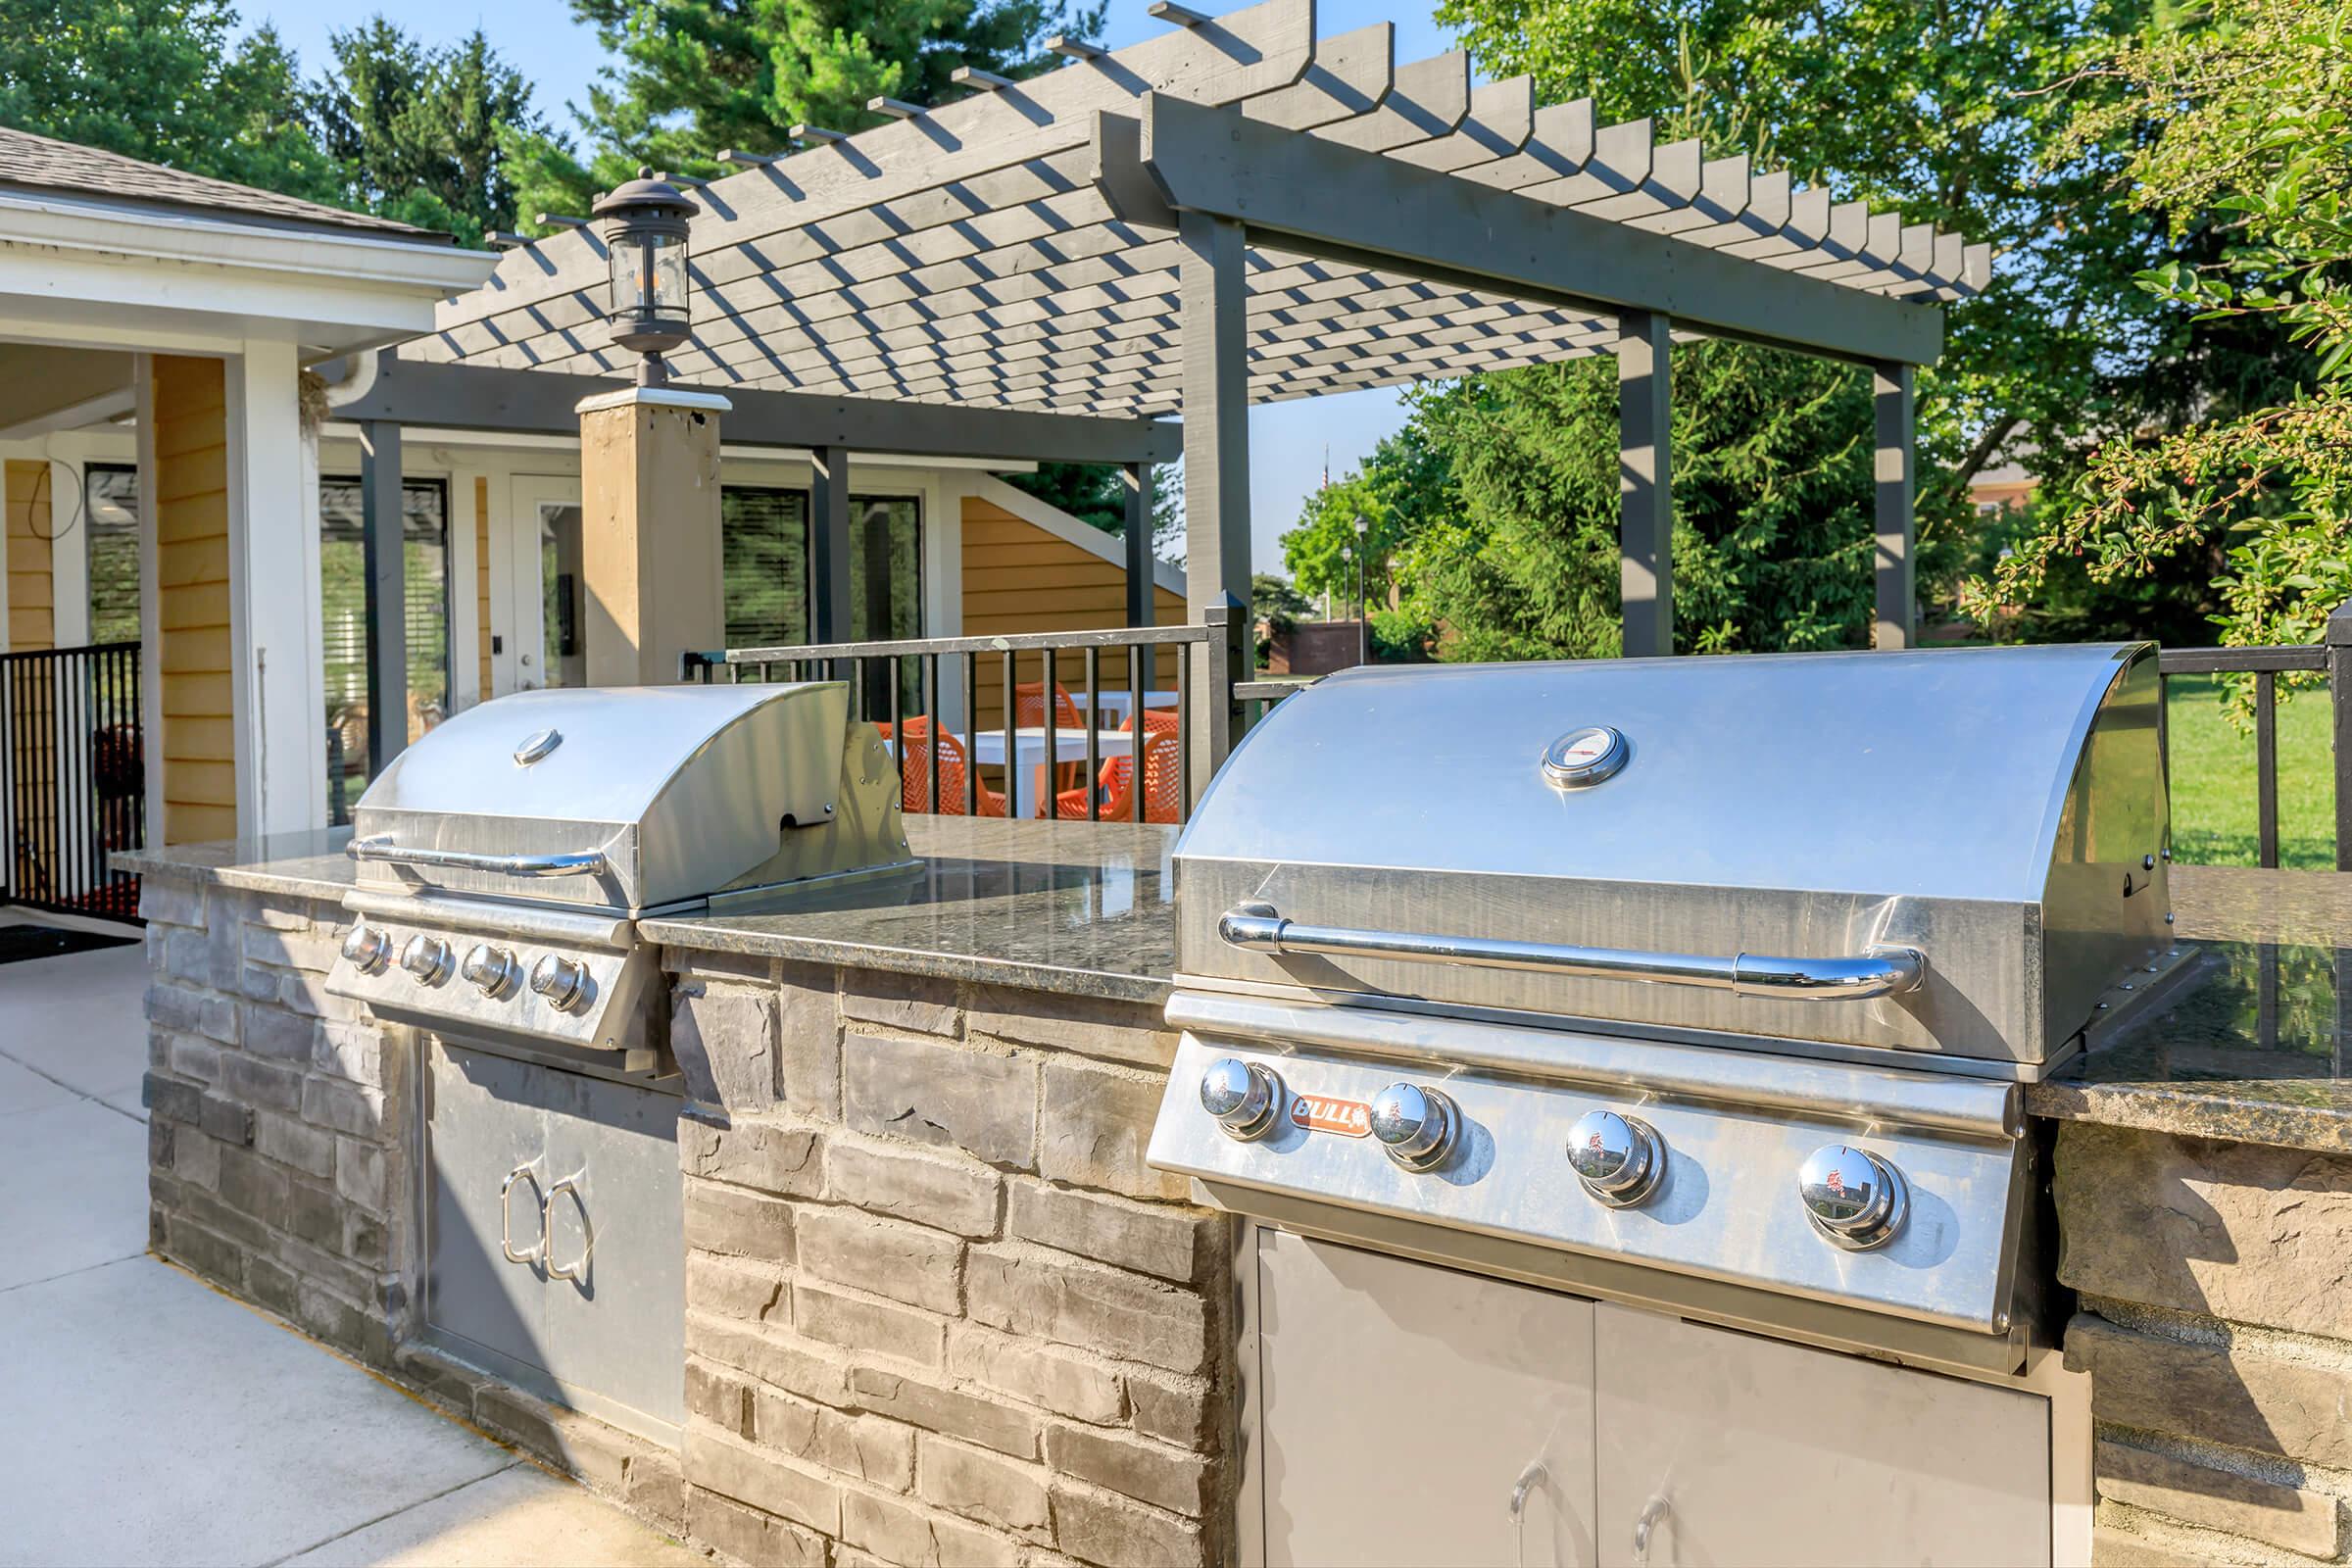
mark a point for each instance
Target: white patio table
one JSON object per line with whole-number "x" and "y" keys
{"x": 1118, "y": 702}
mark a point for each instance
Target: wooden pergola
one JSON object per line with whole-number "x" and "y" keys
{"x": 1234, "y": 212}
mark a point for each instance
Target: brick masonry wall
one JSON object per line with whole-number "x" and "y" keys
{"x": 2216, "y": 1325}
{"x": 939, "y": 1312}
{"x": 277, "y": 1165}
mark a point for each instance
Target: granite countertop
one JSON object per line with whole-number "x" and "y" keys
{"x": 2251, "y": 1045}
{"x": 1083, "y": 908}
{"x": 306, "y": 865}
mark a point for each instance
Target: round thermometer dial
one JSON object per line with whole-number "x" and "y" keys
{"x": 1585, "y": 756}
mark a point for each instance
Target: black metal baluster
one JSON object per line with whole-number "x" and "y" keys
{"x": 971, "y": 734}
{"x": 2266, "y": 766}
{"x": 1093, "y": 732}
{"x": 1140, "y": 729}
{"x": 1184, "y": 748}
{"x": 1013, "y": 783}
{"x": 1049, "y": 780}
{"x": 931, "y": 726}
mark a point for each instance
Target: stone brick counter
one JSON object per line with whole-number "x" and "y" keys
{"x": 938, "y": 1309}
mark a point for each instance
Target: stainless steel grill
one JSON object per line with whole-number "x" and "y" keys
{"x": 505, "y": 858}
{"x": 1702, "y": 987}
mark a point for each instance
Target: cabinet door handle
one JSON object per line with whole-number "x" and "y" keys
{"x": 505, "y": 1217}
{"x": 1534, "y": 1475}
{"x": 1655, "y": 1513}
{"x": 577, "y": 1269}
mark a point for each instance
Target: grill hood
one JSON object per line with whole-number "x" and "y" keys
{"x": 2000, "y": 813}
{"x": 649, "y": 797}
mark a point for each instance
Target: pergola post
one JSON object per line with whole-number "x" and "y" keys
{"x": 1136, "y": 482}
{"x": 1215, "y": 291}
{"x": 384, "y": 568}
{"x": 1896, "y": 461}
{"x": 829, "y": 545}
{"x": 1646, "y": 482}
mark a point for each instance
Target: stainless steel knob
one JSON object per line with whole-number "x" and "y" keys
{"x": 366, "y": 947}
{"x": 489, "y": 966}
{"x": 1245, "y": 1098}
{"x": 1417, "y": 1126}
{"x": 561, "y": 981}
{"x": 427, "y": 957}
{"x": 1618, "y": 1158}
{"x": 1855, "y": 1199}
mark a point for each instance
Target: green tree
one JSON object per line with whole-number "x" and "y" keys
{"x": 694, "y": 77}
{"x": 2240, "y": 121}
{"x": 418, "y": 128}
{"x": 1407, "y": 483}
{"x": 163, "y": 81}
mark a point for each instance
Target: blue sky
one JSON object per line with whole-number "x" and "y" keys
{"x": 1287, "y": 440}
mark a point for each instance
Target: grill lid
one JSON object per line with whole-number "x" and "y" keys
{"x": 632, "y": 798}
{"x": 1950, "y": 852}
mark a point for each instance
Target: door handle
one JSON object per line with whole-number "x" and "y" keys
{"x": 577, "y": 1269}
{"x": 505, "y": 1217}
{"x": 1655, "y": 1513}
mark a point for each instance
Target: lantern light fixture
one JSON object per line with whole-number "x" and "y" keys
{"x": 645, "y": 239}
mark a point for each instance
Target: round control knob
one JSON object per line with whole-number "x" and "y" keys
{"x": 1618, "y": 1158}
{"x": 489, "y": 966}
{"x": 427, "y": 957}
{"x": 1245, "y": 1098}
{"x": 366, "y": 947}
{"x": 1416, "y": 1126}
{"x": 1855, "y": 1199}
{"x": 560, "y": 980}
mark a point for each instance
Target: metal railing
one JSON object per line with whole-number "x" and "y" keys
{"x": 72, "y": 778}
{"x": 893, "y": 682}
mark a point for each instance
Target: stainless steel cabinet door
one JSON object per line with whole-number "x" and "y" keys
{"x": 487, "y": 1120}
{"x": 1404, "y": 1405}
{"x": 1717, "y": 1447}
{"x": 617, "y": 1251}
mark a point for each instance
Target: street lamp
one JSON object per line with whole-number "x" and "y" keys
{"x": 645, "y": 239}
{"x": 1363, "y": 608}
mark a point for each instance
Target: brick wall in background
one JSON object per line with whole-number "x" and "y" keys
{"x": 938, "y": 1309}
{"x": 276, "y": 1155}
{"x": 2217, "y": 1328}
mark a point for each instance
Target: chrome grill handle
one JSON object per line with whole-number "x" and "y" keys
{"x": 588, "y": 862}
{"x": 1880, "y": 970}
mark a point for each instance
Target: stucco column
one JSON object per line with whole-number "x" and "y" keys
{"x": 650, "y": 554}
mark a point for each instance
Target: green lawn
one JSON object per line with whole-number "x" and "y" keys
{"x": 2213, "y": 778}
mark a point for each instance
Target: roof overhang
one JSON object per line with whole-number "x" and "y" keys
{"x": 128, "y": 276}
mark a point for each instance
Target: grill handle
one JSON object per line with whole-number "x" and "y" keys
{"x": 591, "y": 862}
{"x": 1878, "y": 971}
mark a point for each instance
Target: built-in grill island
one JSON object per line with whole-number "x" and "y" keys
{"x": 1619, "y": 1066}
{"x": 503, "y": 864}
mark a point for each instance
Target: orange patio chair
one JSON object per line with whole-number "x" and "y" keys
{"x": 1029, "y": 712}
{"x": 1164, "y": 782}
{"x": 915, "y": 773}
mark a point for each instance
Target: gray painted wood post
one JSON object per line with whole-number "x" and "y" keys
{"x": 2338, "y": 637}
{"x": 829, "y": 545}
{"x": 1142, "y": 609}
{"x": 1896, "y": 460}
{"x": 1646, "y": 482}
{"x": 384, "y": 570}
{"x": 1214, "y": 288}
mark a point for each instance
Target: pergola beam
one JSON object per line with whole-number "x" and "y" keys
{"x": 1312, "y": 195}
{"x": 460, "y": 397}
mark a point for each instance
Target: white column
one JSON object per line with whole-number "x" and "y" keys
{"x": 151, "y": 598}
{"x": 274, "y": 613}
{"x": 69, "y": 556}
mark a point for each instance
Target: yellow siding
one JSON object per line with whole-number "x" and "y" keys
{"x": 1017, "y": 577}
{"x": 31, "y": 604}
{"x": 190, "y": 503}
{"x": 481, "y": 578}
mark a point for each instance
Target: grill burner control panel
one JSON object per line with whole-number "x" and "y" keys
{"x": 576, "y": 996}
{"x": 1918, "y": 1221}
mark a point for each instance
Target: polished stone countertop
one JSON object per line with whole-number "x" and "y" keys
{"x": 306, "y": 865}
{"x": 2250, "y": 1045}
{"x": 1081, "y": 907}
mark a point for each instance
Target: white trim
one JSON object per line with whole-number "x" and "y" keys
{"x": 275, "y": 631}
{"x": 100, "y": 410}
{"x": 69, "y": 223}
{"x": 465, "y": 594}
{"x": 54, "y": 331}
{"x": 69, "y": 556}
{"x": 1165, "y": 575}
{"x": 151, "y": 603}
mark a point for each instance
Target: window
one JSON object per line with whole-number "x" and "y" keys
{"x": 769, "y": 584}
{"x": 424, "y": 530}
{"x": 110, "y": 498}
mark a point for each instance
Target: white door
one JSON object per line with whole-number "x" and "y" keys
{"x": 1718, "y": 1448}
{"x": 541, "y": 644}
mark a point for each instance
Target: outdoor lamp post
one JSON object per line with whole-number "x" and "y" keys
{"x": 1363, "y": 608}
{"x": 645, "y": 237}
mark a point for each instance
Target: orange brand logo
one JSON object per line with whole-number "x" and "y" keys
{"x": 1350, "y": 1118}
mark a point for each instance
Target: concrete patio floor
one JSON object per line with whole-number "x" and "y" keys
{"x": 151, "y": 1419}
